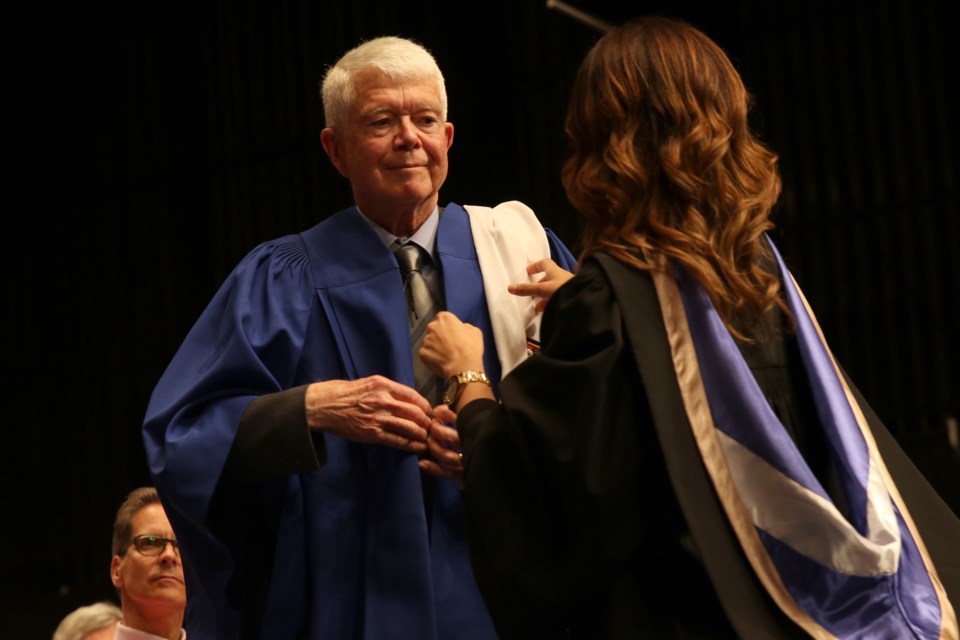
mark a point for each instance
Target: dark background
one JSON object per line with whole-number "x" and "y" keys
{"x": 155, "y": 143}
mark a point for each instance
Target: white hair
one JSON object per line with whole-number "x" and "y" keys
{"x": 397, "y": 58}
{"x": 81, "y": 621}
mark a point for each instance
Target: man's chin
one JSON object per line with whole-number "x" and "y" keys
{"x": 168, "y": 583}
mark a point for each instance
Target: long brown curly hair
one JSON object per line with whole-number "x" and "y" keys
{"x": 663, "y": 160}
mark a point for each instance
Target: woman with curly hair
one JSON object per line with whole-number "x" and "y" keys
{"x": 684, "y": 458}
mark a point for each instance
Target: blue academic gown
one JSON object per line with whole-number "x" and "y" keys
{"x": 333, "y": 542}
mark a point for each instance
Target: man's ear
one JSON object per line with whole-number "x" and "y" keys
{"x": 115, "y": 571}
{"x": 331, "y": 144}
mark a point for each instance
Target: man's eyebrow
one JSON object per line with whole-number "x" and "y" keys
{"x": 376, "y": 111}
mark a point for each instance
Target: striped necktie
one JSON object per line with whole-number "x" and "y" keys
{"x": 422, "y": 306}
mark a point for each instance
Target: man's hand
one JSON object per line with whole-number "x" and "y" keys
{"x": 374, "y": 410}
{"x": 554, "y": 277}
{"x": 443, "y": 446}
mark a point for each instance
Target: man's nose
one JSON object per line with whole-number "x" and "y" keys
{"x": 408, "y": 136}
{"x": 169, "y": 553}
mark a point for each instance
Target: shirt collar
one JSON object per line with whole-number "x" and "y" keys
{"x": 425, "y": 236}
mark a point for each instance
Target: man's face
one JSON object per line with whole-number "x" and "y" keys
{"x": 393, "y": 146}
{"x": 148, "y": 582}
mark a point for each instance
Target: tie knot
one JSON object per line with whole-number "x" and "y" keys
{"x": 410, "y": 256}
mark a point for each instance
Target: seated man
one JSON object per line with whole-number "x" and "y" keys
{"x": 146, "y": 570}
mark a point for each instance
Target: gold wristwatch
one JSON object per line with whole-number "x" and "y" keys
{"x": 458, "y": 381}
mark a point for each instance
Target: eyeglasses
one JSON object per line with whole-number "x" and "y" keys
{"x": 155, "y": 545}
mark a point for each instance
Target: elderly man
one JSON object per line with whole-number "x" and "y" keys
{"x": 292, "y": 436}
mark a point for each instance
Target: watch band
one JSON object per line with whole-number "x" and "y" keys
{"x": 458, "y": 381}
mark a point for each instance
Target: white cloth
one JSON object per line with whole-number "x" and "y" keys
{"x": 508, "y": 237}
{"x": 129, "y": 633}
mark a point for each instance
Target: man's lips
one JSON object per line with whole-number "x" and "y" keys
{"x": 167, "y": 576}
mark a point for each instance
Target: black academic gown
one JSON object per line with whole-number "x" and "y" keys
{"x": 590, "y": 513}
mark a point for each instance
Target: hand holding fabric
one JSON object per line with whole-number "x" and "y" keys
{"x": 554, "y": 277}
{"x": 452, "y": 346}
{"x": 374, "y": 410}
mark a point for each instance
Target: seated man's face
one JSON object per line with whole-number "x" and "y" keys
{"x": 394, "y": 145}
{"x": 149, "y": 582}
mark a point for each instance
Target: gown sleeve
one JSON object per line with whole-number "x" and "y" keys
{"x": 244, "y": 347}
{"x": 550, "y": 474}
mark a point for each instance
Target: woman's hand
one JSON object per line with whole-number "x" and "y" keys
{"x": 452, "y": 346}
{"x": 554, "y": 277}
